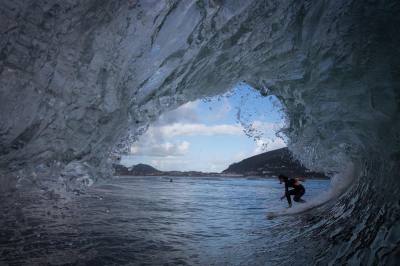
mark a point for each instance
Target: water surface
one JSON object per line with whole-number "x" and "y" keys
{"x": 151, "y": 221}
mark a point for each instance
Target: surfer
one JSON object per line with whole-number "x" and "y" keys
{"x": 298, "y": 189}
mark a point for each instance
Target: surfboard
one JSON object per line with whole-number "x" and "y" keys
{"x": 299, "y": 209}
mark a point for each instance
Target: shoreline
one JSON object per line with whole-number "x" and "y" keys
{"x": 220, "y": 176}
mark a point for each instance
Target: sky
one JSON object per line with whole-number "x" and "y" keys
{"x": 210, "y": 134}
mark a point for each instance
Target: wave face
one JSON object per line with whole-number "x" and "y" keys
{"x": 81, "y": 79}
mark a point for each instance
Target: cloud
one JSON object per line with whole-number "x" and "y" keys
{"x": 157, "y": 141}
{"x": 159, "y": 147}
{"x": 164, "y": 149}
{"x": 179, "y": 129}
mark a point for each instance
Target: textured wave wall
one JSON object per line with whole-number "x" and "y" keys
{"x": 80, "y": 79}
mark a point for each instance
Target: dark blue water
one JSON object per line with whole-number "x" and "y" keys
{"x": 151, "y": 221}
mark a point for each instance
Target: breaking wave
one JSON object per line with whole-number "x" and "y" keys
{"x": 76, "y": 77}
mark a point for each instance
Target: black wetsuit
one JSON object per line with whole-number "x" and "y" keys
{"x": 298, "y": 191}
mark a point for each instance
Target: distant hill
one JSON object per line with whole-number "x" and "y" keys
{"x": 271, "y": 163}
{"x": 147, "y": 170}
{"x": 137, "y": 170}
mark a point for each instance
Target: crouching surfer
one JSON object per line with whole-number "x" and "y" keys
{"x": 297, "y": 190}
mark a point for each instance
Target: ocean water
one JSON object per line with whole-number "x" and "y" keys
{"x": 151, "y": 221}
